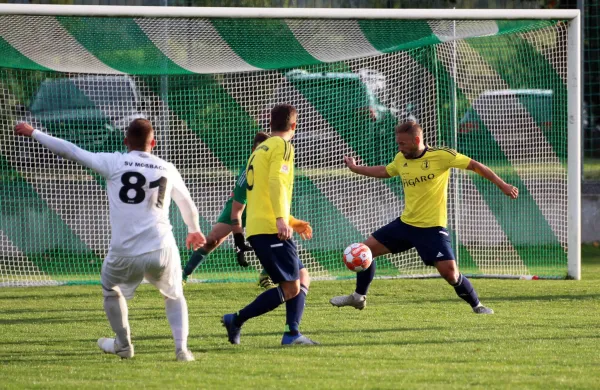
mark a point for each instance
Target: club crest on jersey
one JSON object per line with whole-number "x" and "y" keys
{"x": 425, "y": 165}
{"x": 285, "y": 169}
{"x": 405, "y": 165}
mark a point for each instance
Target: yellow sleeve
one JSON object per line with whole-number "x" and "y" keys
{"x": 459, "y": 161}
{"x": 279, "y": 169}
{"x": 391, "y": 168}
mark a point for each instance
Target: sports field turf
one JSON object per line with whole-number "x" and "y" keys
{"x": 413, "y": 334}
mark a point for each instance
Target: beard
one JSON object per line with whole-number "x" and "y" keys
{"x": 410, "y": 154}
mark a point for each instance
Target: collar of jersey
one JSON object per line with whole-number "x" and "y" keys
{"x": 139, "y": 152}
{"x": 421, "y": 155}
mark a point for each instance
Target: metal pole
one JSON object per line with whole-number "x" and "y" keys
{"x": 574, "y": 148}
{"x": 455, "y": 141}
{"x": 580, "y": 6}
{"x": 164, "y": 96}
{"x": 289, "y": 13}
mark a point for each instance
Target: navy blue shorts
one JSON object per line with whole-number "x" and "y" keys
{"x": 280, "y": 258}
{"x": 432, "y": 244}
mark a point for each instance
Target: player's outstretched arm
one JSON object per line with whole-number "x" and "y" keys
{"x": 486, "y": 172}
{"x": 99, "y": 162}
{"x": 377, "y": 171}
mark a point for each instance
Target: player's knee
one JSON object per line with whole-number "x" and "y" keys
{"x": 304, "y": 277}
{"x": 451, "y": 276}
{"x": 111, "y": 293}
{"x": 211, "y": 243}
{"x": 290, "y": 290}
{"x": 448, "y": 270}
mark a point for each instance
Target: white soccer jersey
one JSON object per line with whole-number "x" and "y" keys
{"x": 139, "y": 187}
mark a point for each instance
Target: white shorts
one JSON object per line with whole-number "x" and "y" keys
{"x": 162, "y": 268}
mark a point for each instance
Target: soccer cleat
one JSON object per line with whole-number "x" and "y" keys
{"x": 349, "y": 300}
{"x": 482, "y": 310}
{"x": 110, "y": 346}
{"x": 298, "y": 339}
{"x": 185, "y": 356}
{"x": 233, "y": 332}
{"x": 265, "y": 282}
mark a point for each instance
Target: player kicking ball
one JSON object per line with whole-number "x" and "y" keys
{"x": 140, "y": 187}
{"x": 233, "y": 219}
{"x": 424, "y": 172}
{"x": 270, "y": 181}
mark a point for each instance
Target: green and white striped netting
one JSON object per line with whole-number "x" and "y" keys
{"x": 494, "y": 90}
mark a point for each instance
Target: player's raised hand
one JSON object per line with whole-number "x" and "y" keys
{"x": 195, "y": 240}
{"x": 24, "y": 129}
{"x": 284, "y": 231}
{"x": 511, "y": 191}
{"x": 301, "y": 227}
{"x": 350, "y": 162}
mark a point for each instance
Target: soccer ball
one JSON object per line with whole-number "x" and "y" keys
{"x": 357, "y": 257}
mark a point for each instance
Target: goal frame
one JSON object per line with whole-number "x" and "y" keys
{"x": 573, "y": 81}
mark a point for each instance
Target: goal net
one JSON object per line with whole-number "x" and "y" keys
{"x": 495, "y": 90}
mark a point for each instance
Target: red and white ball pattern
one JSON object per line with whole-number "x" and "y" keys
{"x": 358, "y": 257}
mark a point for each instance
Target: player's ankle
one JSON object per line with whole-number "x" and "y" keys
{"x": 357, "y": 296}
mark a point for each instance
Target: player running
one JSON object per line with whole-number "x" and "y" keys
{"x": 270, "y": 177}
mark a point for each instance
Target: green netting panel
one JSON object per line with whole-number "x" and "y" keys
{"x": 493, "y": 90}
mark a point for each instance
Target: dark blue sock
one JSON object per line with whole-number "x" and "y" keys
{"x": 263, "y": 303}
{"x": 464, "y": 289}
{"x": 294, "y": 308}
{"x": 194, "y": 261}
{"x": 364, "y": 279}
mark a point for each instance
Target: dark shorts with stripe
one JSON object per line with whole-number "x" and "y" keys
{"x": 432, "y": 244}
{"x": 279, "y": 258}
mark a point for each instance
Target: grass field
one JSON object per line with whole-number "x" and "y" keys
{"x": 413, "y": 334}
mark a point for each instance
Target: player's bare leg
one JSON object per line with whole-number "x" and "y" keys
{"x": 463, "y": 287}
{"x": 215, "y": 238}
{"x": 358, "y": 299}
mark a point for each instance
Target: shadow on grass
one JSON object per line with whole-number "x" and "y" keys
{"x": 95, "y": 355}
{"x": 490, "y": 298}
{"x": 52, "y": 297}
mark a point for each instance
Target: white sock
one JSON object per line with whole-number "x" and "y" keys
{"x": 177, "y": 314}
{"x": 357, "y": 296}
{"x": 116, "y": 311}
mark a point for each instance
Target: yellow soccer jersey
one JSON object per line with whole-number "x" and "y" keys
{"x": 270, "y": 182}
{"x": 425, "y": 183}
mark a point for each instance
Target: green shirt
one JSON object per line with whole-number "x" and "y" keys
{"x": 239, "y": 191}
